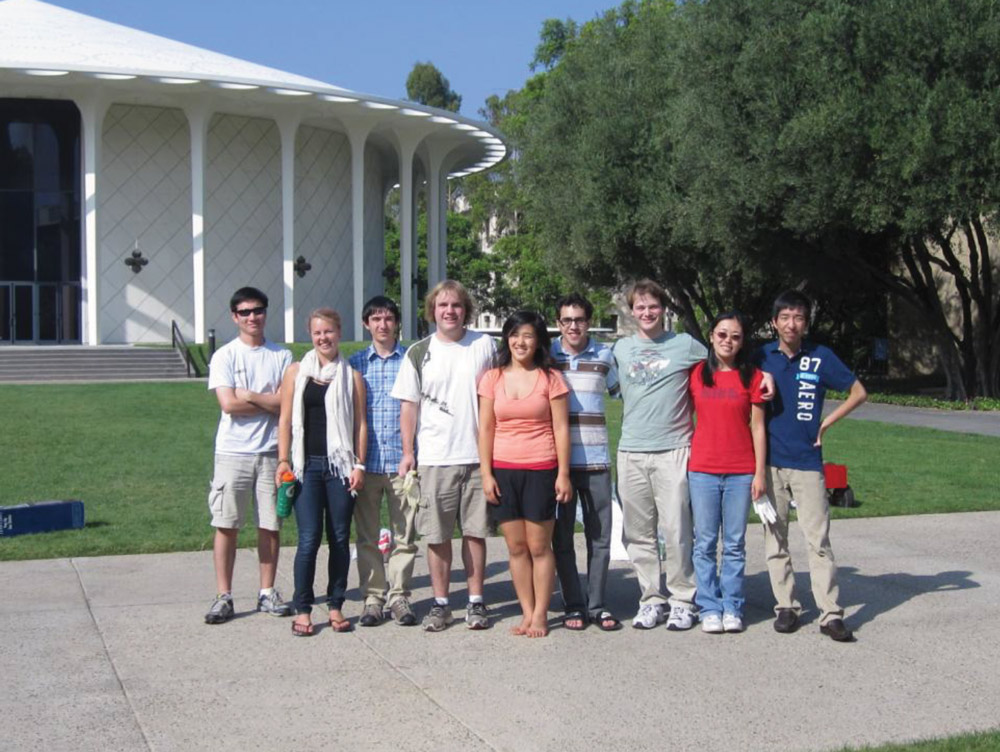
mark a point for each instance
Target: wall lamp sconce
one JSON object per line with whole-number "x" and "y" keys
{"x": 302, "y": 266}
{"x": 135, "y": 262}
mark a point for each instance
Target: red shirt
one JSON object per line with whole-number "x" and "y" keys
{"x": 722, "y": 442}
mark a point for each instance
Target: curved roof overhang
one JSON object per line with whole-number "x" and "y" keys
{"x": 50, "y": 52}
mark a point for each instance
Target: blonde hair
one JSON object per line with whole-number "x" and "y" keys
{"x": 327, "y": 314}
{"x": 646, "y": 287}
{"x": 449, "y": 285}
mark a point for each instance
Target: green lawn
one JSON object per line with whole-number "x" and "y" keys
{"x": 140, "y": 457}
{"x": 987, "y": 741}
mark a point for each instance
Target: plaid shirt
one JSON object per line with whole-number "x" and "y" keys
{"x": 385, "y": 441}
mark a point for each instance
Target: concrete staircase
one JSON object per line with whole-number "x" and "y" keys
{"x": 80, "y": 363}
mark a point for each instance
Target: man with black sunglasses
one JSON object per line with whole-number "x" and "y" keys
{"x": 246, "y": 374}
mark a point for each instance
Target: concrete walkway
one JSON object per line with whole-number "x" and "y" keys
{"x": 959, "y": 421}
{"x": 111, "y": 653}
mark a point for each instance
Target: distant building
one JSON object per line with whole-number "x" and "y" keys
{"x": 142, "y": 180}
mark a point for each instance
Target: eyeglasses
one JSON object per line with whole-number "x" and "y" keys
{"x": 245, "y": 312}
{"x": 726, "y": 335}
{"x": 569, "y": 322}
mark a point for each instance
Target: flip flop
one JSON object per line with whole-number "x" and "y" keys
{"x": 575, "y": 616}
{"x": 301, "y": 630}
{"x": 606, "y": 616}
{"x": 341, "y": 625}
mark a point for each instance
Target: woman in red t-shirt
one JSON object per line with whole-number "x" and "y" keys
{"x": 524, "y": 459}
{"x": 725, "y": 471}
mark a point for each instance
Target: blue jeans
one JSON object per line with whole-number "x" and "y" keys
{"x": 720, "y": 501}
{"x": 322, "y": 491}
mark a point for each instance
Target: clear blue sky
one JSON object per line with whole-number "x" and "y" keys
{"x": 370, "y": 46}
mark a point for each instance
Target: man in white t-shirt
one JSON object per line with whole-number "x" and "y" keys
{"x": 246, "y": 375}
{"x": 440, "y": 419}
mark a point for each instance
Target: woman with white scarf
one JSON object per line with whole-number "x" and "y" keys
{"x": 322, "y": 437}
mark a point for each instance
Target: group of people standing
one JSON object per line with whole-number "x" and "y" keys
{"x": 460, "y": 430}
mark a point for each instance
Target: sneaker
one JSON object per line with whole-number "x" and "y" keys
{"x": 712, "y": 623}
{"x": 402, "y": 614}
{"x": 732, "y": 623}
{"x": 681, "y": 618}
{"x": 273, "y": 605}
{"x": 371, "y": 615}
{"x": 477, "y": 616}
{"x": 438, "y": 618}
{"x": 650, "y": 614}
{"x": 221, "y": 610}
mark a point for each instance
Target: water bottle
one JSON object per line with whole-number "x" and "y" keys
{"x": 286, "y": 494}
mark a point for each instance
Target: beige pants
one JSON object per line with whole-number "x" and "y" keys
{"x": 653, "y": 487}
{"x": 809, "y": 492}
{"x": 375, "y": 586}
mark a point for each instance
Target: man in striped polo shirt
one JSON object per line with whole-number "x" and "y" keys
{"x": 589, "y": 368}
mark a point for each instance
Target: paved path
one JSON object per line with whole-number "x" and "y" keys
{"x": 960, "y": 421}
{"x": 111, "y": 653}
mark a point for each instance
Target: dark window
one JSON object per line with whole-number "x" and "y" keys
{"x": 40, "y": 239}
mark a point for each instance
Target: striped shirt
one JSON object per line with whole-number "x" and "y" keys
{"x": 589, "y": 375}
{"x": 385, "y": 441}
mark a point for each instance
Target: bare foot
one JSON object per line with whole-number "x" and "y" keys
{"x": 522, "y": 628}
{"x": 538, "y": 628}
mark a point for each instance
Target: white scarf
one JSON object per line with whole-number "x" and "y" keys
{"x": 339, "y": 403}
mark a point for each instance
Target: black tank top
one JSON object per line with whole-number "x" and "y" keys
{"x": 313, "y": 400}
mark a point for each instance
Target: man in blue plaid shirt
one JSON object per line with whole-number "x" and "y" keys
{"x": 378, "y": 364}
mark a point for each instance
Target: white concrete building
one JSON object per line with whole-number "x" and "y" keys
{"x": 123, "y": 151}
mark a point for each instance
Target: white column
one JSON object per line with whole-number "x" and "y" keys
{"x": 437, "y": 212}
{"x": 406, "y": 237}
{"x": 358, "y": 136}
{"x": 435, "y": 244}
{"x": 199, "y": 116}
{"x": 288, "y": 126}
{"x": 92, "y": 110}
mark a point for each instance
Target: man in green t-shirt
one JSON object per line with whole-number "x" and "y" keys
{"x": 653, "y": 368}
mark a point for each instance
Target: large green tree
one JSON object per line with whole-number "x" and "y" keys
{"x": 860, "y": 134}
{"x": 729, "y": 148}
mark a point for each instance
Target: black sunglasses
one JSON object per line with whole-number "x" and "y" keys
{"x": 245, "y": 312}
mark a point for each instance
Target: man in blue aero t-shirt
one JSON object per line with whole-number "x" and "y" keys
{"x": 802, "y": 373}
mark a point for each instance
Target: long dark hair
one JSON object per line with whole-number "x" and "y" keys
{"x": 542, "y": 358}
{"x": 742, "y": 361}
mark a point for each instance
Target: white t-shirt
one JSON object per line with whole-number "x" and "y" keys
{"x": 259, "y": 369}
{"x": 448, "y": 423}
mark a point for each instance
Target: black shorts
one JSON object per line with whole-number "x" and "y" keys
{"x": 525, "y": 495}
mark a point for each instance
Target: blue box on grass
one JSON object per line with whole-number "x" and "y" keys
{"x": 41, "y": 517}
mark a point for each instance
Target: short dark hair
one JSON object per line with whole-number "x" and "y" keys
{"x": 244, "y": 294}
{"x": 575, "y": 299}
{"x": 380, "y": 303}
{"x": 542, "y": 358}
{"x": 791, "y": 299}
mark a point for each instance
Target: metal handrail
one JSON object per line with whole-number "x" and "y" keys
{"x": 178, "y": 342}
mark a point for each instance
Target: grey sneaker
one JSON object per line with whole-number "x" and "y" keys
{"x": 438, "y": 618}
{"x": 273, "y": 605}
{"x": 402, "y": 614}
{"x": 477, "y": 616}
{"x": 221, "y": 610}
{"x": 371, "y": 615}
{"x": 680, "y": 619}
